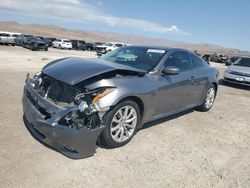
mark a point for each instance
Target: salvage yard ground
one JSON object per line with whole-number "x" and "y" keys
{"x": 193, "y": 149}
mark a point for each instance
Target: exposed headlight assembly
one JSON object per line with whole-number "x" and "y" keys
{"x": 102, "y": 94}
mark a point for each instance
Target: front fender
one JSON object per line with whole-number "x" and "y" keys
{"x": 139, "y": 87}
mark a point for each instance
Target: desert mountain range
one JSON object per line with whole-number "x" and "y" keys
{"x": 92, "y": 36}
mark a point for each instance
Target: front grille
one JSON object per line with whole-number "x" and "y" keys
{"x": 57, "y": 92}
{"x": 239, "y": 73}
{"x": 232, "y": 80}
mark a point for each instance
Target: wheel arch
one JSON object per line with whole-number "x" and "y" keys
{"x": 216, "y": 87}
{"x": 137, "y": 100}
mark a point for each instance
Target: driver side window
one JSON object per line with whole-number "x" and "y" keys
{"x": 180, "y": 60}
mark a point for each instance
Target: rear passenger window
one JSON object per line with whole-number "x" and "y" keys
{"x": 179, "y": 59}
{"x": 197, "y": 62}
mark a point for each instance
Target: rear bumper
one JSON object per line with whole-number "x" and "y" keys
{"x": 66, "y": 46}
{"x": 73, "y": 143}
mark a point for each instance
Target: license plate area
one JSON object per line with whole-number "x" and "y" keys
{"x": 239, "y": 79}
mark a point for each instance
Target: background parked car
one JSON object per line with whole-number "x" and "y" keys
{"x": 223, "y": 58}
{"x": 7, "y": 38}
{"x": 206, "y": 57}
{"x": 90, "y": 46}
{"x": 214, "y": 57}
{"x": 36, "y": 43}
{"x": 19, "y": 40}
{"x": 49, "y": 41}
{"x": 238, "y": 72}
{"x": 231, "y": 60}
{"x": 62, "y": 44}
{"x": 110, "y": 46}
{"x": 78, "y": 44}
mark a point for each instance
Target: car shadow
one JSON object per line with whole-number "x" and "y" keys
{"x": 165, "y": 119}
{"x": 233, "y": 85}
{"x": 152, "y": 124}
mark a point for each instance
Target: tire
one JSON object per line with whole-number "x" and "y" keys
{"x": 208, "y": 100}
{"x": 111, "y": 119}
{"x": 46, "y": 49}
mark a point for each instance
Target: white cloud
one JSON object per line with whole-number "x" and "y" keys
{"x": 80, "y": 11}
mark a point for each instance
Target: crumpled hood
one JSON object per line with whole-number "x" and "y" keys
{"x": 239, "y": 69}
{"x": 75, "y": 70}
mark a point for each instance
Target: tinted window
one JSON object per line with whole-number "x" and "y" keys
{"x": 4, "y": 35}
{"x": 180, "y": 60}
{"x": 197, "y": 62}
{"x": 81, "y": 42}
{"x": 119, "y": 45}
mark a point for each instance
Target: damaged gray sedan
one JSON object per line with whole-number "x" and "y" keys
{"x": 74, "y": 102}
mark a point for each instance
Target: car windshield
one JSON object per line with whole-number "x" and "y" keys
{"x": 141, "y": 58}
{"x": 244, "y": 62}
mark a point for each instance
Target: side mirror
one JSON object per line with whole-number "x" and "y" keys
{"x": 171, "y": 70}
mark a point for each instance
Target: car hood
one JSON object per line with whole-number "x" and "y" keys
{"x": 239, "y": 69}
{"x": 75, "y": 70}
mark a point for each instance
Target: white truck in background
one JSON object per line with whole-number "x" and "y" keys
{"x": 8, "y": 37}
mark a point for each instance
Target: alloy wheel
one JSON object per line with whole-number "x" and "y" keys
{"x": 123, "y": 124}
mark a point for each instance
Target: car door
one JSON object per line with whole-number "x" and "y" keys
{"x": 175, "y": 92}
{"x": 200, "y": 78}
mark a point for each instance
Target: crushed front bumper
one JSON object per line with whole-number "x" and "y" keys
{"x": 71, "y": 142}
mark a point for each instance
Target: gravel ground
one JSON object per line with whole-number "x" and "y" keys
{"x": 193, "y": 149}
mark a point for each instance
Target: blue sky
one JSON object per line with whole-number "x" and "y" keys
{"x": 226, "y": 23}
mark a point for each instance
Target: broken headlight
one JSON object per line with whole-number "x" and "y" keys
{"x": 102, "y": 93}
{"x": 34, "y": 80}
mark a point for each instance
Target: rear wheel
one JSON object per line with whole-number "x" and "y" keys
{"x": 121, "y": 124}
{"x": 209, "y": 99}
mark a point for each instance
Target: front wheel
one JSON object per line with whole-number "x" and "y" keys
{"x": 209, "y": 99}
{"x": 121, "y": 124}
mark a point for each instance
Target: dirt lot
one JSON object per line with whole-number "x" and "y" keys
{"x": 193, "y": 149}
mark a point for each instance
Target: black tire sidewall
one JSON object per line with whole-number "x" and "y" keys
{"x": 106, "y": 137}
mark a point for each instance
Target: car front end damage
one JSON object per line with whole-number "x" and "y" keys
{"x": 63, "y": 116}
